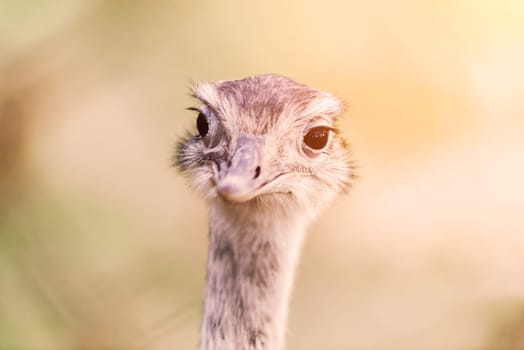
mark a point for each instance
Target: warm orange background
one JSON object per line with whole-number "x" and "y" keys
{"x": 103, "y": 246}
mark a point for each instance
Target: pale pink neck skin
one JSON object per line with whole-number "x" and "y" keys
{"x": 250, "y": 272}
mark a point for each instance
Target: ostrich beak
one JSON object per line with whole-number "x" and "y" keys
{"x": 239, "y": 181}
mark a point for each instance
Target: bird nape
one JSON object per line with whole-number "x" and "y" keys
{"x": 267, "y": 157}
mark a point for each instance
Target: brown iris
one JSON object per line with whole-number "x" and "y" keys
{"x": 317, "y": 137}
{"x": 202, "y": 125}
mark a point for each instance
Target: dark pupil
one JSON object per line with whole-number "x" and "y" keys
{"x": 317, "y": 137}
{"x": 202, "y": 125}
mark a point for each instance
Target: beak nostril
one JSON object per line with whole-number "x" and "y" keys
{"x": 257, "y": 172}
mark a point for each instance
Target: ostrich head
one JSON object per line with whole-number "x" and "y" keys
{"x": 265, "y": 142}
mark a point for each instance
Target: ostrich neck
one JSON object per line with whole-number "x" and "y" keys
{"x": 250, "y": 273}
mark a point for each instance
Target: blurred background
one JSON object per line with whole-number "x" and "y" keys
{"x": 102, "y": 245}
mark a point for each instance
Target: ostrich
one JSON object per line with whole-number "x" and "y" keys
{"x": 267, "y": 158}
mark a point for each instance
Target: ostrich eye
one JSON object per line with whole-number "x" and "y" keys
{"x": 317, "y": 137}
{"x": 202, "y": 125}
